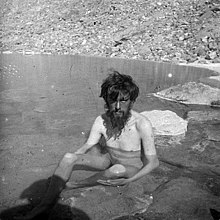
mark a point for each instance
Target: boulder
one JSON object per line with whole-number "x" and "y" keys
{"x": 191, "y": 93}
{"x": 166, "y": 122}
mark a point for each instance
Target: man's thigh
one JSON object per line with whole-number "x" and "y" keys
{"x": 100, "y": 162}
{"x": 95, "y": 150}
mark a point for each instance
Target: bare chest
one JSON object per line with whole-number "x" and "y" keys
{"x": 129, "y": 140}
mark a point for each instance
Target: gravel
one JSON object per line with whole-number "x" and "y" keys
{"x": 178, "y": 31}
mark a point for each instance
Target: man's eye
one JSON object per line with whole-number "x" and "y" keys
{"x": 124, "y": 100}
{"x": 111, "y": 101}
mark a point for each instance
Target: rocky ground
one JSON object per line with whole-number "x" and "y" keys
{"x": 180, "y": 31}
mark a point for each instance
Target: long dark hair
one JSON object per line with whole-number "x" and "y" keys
{"x": 117, "y": 83}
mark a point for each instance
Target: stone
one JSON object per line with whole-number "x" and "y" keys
{"x": 166, "y": 122}
{"x": 191, "y": 93}
{"x": 213, "y": 132}
{"x": 101, "y": 202}
{"x": 184, "y": 195}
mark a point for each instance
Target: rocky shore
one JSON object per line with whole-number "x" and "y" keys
{"x": 179, "y": 31}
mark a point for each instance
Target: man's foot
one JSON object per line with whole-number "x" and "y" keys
{"x": 82, "y": 184}
{"x": 36, "y": 213}
{"x": 73, "y": 185}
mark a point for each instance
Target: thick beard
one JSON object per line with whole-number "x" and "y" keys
{"x": 115, "y": 124}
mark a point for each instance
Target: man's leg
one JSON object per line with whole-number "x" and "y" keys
{"x": 114, "y": 172}
{"x": 62, "y": 175}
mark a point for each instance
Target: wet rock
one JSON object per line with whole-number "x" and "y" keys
{"x": 203, "y": 116}
{"x": 190, "y": 93}
{"x": 201, "y": 153}
{"x": 108, "y": 202}
{"x": 213, "y": 132}
{"x": 200, "y": 146}
{"x": 184, "y": 195}
{"x": 165, "y": 142}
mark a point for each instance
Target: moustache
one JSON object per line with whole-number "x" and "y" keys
{"x": 118, "y": 113}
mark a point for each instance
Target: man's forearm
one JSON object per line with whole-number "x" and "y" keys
{"x": 145, "y": 170}
{"x": 83, "y": 149}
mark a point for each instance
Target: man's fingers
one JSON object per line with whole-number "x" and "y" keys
{"x": 116, "y": 182}
{"x": 104, "y": 182}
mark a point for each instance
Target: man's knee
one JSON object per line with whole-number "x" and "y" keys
{"x": 116, "y": 170}
{"x": 95, "y": 150}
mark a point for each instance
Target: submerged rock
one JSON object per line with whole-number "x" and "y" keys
{"x": 191, "y": 93}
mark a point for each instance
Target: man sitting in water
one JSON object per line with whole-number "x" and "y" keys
{"x": 129, "y": 145}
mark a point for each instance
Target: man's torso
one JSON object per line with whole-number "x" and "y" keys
{"x": 129, "y": 139}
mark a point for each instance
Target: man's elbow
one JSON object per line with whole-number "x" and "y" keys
{"x": 153, "y": 162}
{"x": 156, "y": 163}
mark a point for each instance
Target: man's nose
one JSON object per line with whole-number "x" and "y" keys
{"x": 118, "y": 106}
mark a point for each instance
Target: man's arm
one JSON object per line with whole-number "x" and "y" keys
{"x": 146, "y": 133}
{"x": 94, "y": 136}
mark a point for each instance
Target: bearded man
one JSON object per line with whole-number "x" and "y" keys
{"x": 129, "y": 145}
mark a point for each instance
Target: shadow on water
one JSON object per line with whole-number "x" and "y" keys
{"x": 32, "y": 197}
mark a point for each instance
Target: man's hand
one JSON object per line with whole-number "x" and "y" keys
{"x": 115, "y": 182}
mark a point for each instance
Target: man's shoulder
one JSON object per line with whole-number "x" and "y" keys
{"x": 98, "y": 124}
{"x": 99, "y": 120}
{"x": 140, "y": 119}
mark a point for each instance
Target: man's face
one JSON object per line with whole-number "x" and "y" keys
{"x": 120, "y": 107}
{"x": 118, "y": 113}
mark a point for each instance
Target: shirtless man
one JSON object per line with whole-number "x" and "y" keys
{"x": 129, "y": 145}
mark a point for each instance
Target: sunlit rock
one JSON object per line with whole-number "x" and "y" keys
{"x": 166, "y": 122}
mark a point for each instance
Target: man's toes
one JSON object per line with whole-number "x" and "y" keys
{"x": 71, "y": 184}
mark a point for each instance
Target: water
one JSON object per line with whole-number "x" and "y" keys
{"x": 50, "y": 91}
